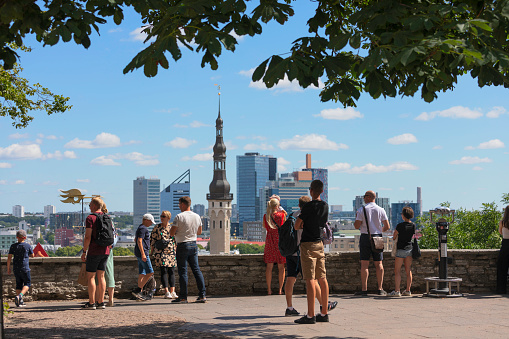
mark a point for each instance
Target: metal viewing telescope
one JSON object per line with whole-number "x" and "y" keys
{"x": 443, "y": 283}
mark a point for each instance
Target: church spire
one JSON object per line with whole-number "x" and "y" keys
{"x": 219, "y": 188}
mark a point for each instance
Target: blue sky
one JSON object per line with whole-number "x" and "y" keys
{"x": 125, "y": 126}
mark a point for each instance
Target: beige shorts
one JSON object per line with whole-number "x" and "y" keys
{"x": 312, "y": 259}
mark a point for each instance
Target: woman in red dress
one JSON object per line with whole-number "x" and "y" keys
{"x": 272, "y": 220}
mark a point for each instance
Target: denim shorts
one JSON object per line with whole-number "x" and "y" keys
{"x": 403, "y": 253}
{"x": 22, "y": 279}
{"x": 144, "y": 267}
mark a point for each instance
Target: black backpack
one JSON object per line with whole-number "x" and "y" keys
{"x": 104, "y": 235}
{"x": 288, "y": 237}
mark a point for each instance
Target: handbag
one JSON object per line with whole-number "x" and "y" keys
{"x": 161, "y": 244}
{"x": 82, "y": 277}
{"x": 377, "y": 243}
{"x": 416, "y": 251}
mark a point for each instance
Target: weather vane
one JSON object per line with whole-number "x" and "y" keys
{"x": 218, "y": 88}
{"x": 74, "y": 196}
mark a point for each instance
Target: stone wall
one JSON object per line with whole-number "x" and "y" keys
{"x": 55, "y": 278}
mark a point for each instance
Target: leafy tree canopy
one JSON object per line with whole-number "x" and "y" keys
{"x": 475, "y": 229}
{"x": 18, "y": 97}
{"x": 382, "y": 48}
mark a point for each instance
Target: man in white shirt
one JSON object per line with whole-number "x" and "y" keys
{"x": 378, "y": 223}
{"x": 186, "y": 227}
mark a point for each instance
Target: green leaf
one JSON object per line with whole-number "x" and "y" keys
{"x": 355, "y": 41}
{"x": 150, "y": 68}
{"x": 407, "y": 56}
{"x": 483, "y": 24}
{"x": 260, "y": 71}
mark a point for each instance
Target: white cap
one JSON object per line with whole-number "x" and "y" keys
{"x": 150, "y": 217}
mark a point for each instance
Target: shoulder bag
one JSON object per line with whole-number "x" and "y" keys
{"x": 377, "y": 243}
{"x": 416, "y": 251}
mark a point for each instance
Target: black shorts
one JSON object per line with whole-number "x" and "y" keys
{"x": 23, "y": 278}
{"x": 293, "y": 267}
{"x": 365, "y": 249}
{"x": 96, "y": 263}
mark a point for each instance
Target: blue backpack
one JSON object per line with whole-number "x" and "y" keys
{"x": 288, "y": 237}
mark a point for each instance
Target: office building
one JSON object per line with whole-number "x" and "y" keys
{"x": 68, "y": 220}
{"x": 18, "y": 211}
{"x": 254, "y": 231}
{"x": 321, "y": 174}
{"x": 146, "y": 199}
{"x": 49, "y": 209}
{"x": 253, "y": 172}
{"x": 170, "y": 196}
{"x": 419, "y": 199}
{"x": 397, "y": 208}
{"x": 64, "y": 236}
{"x": 219, "y": 197}
{"x": 199, "y": 209}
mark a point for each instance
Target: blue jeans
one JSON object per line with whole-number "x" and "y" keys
{"x": 187, "y": 252}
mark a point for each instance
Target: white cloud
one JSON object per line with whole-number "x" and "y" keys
{"x": 339, "y": 167}
{"x": 3, "y": 182}
{"x": 194, "y": 124}
{"x": 140, "y": 159}
{"x": 115, "y": 30}
{"x": 384, "y": 189}
{"x": 261, "y": 147}
{"x": 281, "y": 164}
{"x": 456, "y": 112}
{"x": 371, "y": 169}
{"x": 339, "y": 114}
{"x": 199, "y": 157}
{"x": 310, "y": 142}
{"x": 5, "y": 165}
{"x": 21, "y": 152}
{"x": 230, "y": 145}
{"x": 284, "y": 85}
{"x": 437, "y": 147}
{"x": 82, "y": 180}
{"x": 477, "y": 168}
{"x": 237, "y": 37}
{"x": 470, "y": 161}
{"x": 495, "y": 143}
{"x": 19, "y": 182}
{"x": 492, "y": 144}
{"x": 496, "y": 112}
{"x": 179, "y": 142}
{"x": 104, "y": 161}
{"x": 103, "y": 140}
{"x": 59, "y": 155}
{"x": 136, "y": 157}
{"x": 19, "y": 136}
{"x": 402, "y": 139}
{"x": 138, "y": 35}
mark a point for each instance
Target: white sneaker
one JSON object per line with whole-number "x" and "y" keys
{"x": 394, "y": 294}
{"x": 174, "y": 295}
{"x": 406, "y": 293}
{"x": 168, "y": 295}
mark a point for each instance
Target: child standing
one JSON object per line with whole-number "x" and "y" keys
{"x": 21, "y": 251}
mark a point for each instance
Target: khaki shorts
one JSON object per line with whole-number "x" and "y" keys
{"x": 312, "y": 259}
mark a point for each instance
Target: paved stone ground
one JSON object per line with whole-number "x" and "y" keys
{"x": 473, "y": 316}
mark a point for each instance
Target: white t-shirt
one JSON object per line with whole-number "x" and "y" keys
{"x": 187, "y": 224}
{"x": 376, "y": 215}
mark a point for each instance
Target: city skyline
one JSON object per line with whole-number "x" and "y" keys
{"x": 125, "y": 126}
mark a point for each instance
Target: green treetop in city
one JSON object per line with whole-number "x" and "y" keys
{"x": 380, "y": 48}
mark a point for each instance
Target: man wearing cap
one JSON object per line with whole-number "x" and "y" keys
{"x": 141, "y": 250}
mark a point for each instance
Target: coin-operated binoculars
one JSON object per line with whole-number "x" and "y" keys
{"x": 443, "y": 281}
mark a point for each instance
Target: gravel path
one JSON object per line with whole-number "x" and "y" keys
{"x": 40, "y": 321}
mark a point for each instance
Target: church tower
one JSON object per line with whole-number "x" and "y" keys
{"x": 219, "y": 197}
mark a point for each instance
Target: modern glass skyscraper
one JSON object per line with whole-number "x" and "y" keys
{"x": 170, "y": 196}
{"x": 397, "y": 208}
{"x": 253, "y": 172}
{"x": 146, "y": 199}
